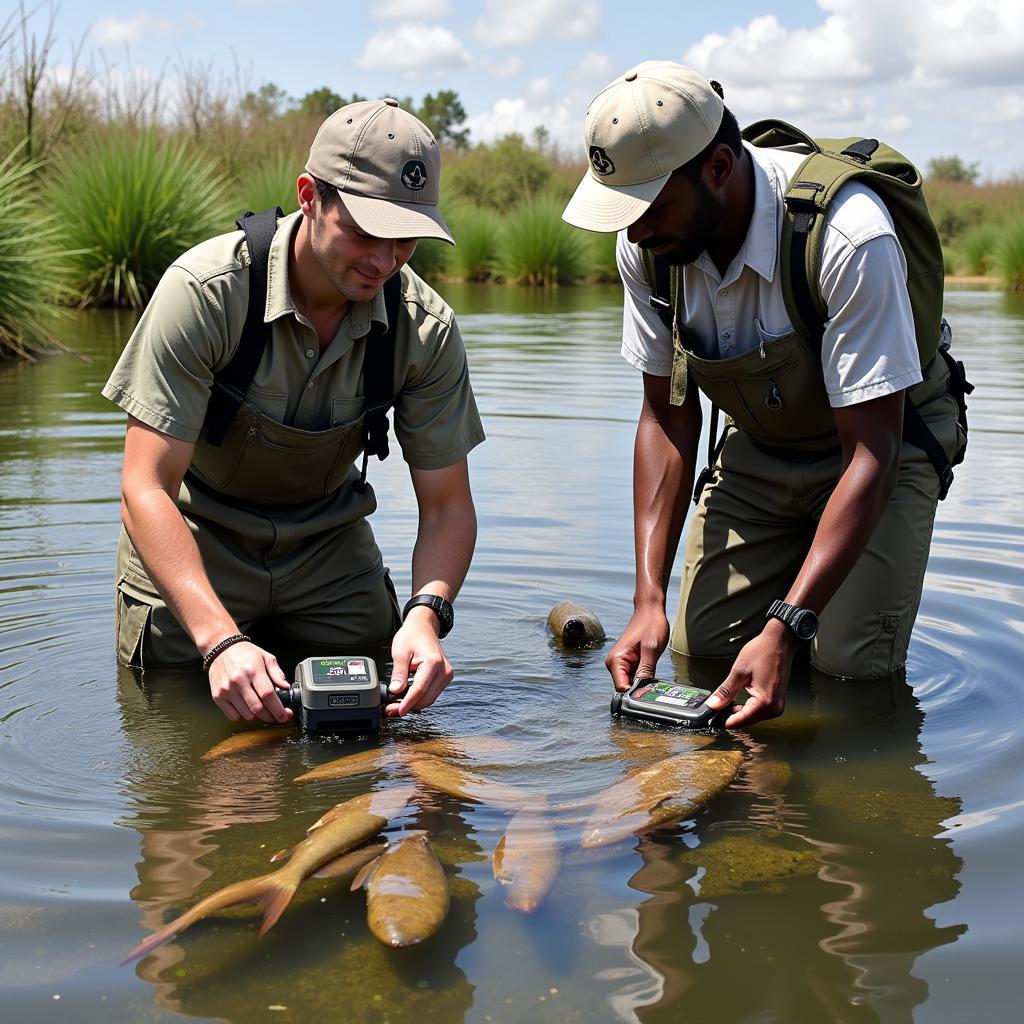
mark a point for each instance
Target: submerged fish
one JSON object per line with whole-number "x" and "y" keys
{"x": 365, "y": 816}
{"x": 406, "y": 892}
{"x": 464, "y": 784}
{"x": 574, "y": 625}
{"x": 381, "y": 757}
{"x": 348, "y": 864}
{"x": 660, "y": 794}
{"x": 247, "y": 740}
{"x": 527, "y": 860}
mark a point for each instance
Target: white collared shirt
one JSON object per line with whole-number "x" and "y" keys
{"x": 869, "y": 348}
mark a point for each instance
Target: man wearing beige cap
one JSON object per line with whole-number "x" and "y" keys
{"x": 815, "y": 503}
{"x": 258, "y": 374}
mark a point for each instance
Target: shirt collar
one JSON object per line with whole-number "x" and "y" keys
{"x": 279, "y": 294}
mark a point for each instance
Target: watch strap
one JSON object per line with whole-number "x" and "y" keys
{"x": 441, "y": 608}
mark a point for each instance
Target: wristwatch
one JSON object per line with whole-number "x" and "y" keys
{"x": 445, "y": 612}
{"x": 802, "y": 621}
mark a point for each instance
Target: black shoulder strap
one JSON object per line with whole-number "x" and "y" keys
{"x": 232, "y": 382}
{"x": 379, "y": 378}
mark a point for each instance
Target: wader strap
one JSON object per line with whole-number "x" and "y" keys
{"x": 232, "y": 382}
{"x": 715, "y": 445}
{"x": 379, "y": 378}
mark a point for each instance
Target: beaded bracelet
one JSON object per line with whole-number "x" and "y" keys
{"x": 221, "y": 647}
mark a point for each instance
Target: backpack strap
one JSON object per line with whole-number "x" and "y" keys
{"x": 379, "y": 378}
{"x": 233, "y": 380}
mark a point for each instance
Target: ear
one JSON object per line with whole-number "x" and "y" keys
{"x": 305, "y": 189}
{"x": 719, "y": 168}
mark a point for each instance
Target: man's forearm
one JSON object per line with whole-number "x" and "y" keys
{"x": 169, "y": 552}
{"x": 444, "y": 549}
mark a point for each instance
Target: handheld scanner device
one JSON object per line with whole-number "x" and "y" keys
{"x": 337, "y": 694}
{"x": 652, "y": 700}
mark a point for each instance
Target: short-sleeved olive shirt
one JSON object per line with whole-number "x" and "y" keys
{"x": 193, "y": 323}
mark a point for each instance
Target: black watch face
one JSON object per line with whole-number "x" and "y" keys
{"x": 805, "y": 625}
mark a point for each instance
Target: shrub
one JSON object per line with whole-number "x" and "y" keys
{"x": 475, "y": 230}
{"x": 497, "y": 176}
{"x": 32, "y": 264}
{"x": 977, "y": 249}
{"x": 430, "y": 260}
{"x": 129, "y": 205}
{"x": 271, "y": 182}
{"x": 1009, "y": 255}
{"x": 537, "y": 247}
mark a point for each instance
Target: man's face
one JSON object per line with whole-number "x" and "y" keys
{"x": 357, "y": 264}
{"x": 681, "y": 223}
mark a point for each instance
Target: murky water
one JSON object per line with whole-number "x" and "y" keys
{"x": 862, "y": 867}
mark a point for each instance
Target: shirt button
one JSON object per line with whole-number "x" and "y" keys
{"x": 310, "y": 353}
{"x": 726, "y": 335}
{"x": 310, "y": 388}
{"x": 724, "y": 292}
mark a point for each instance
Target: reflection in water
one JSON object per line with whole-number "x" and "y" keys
{"x": 848, "y": 843}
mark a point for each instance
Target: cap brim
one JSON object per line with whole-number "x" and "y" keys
{"x": 383, "y": 218}
{"x": 597, "y": 206}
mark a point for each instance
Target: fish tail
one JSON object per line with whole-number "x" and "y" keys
{"x": 276, "y": 895}
{"x": 248, "y": 891}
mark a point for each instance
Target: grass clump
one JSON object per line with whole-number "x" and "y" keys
{"x": 270, "y": 182}
{"x": 1009, "y": 255}
{"x": 537, "y": 247}
{"x": 32, "y": 264}
{"x": 476, "y": 231}
{"x": 977, "y": 249}
{"x": 130, "y": 204}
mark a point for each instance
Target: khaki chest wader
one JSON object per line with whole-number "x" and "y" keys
{"x": 249, "y": 466}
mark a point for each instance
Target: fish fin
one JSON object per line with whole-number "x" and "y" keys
{"x": 281, "y": 855}
{"x": 497, "y": 860}
{"x": 249, "y": 891}
{"x": 275, "y": 897}
{"x": 364, "y": 874}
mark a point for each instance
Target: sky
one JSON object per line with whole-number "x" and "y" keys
{"x": 930, "y": 77}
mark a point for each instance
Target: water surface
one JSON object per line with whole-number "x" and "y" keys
{"x": 861, "y": 868}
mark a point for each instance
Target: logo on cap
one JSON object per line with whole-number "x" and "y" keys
{"x": 601, "y": 161}
{"x": 414, "y": 175}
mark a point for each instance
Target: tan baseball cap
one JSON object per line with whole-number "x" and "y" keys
{"x": 386, "y": 165}
{"x": 639, "y": 129}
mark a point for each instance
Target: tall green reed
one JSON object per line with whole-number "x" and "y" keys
{"x": 33, "y": 271}
{"x": 130, "y": 204}
{"x": 269, "y": 182}
{"x": 1009, "y": 255}
{"x": 536, "y": 247}
{"x": 977, "y": 249}
{"x": 476, "y": 231}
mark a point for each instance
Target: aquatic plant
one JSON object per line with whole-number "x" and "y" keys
{"x": 1009, "y": 255}
{"x": 32, "y": 267}
{"x": 430, "y": 260}
{"x": 537, "y": 247}
{"x": 476, "y": 231}
{"x": 130, "y": 203}
{"x": 601, "y": 255}
{"x": 268, "y": 182}
{"x": 977, "y": 249}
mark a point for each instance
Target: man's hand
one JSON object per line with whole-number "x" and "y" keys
{"x": 636, "y": 652}
{"x": 243, "y": 681}
{"x": 416, "y": 649}
{"x": 762, "y": 669}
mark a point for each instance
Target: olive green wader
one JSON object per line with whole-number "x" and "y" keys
{"x": 773, "y": 472}
{"x": 283, "y": 535}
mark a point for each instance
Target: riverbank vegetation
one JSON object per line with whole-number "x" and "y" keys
{"x": 107, "y": 175}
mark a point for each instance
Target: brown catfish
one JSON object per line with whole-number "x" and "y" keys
{"x": 464, "y": 784}
{"x": 660, "y": 794}
{"x": 526, "y": 860}
{"x": 248, "y": 739}
{"x": 366, "y": 816}
{"x": 348, "y": 864}
{"x": 382, "y": 757}
{"x": 574, "y": 625}
{"x": 406, "y": 892}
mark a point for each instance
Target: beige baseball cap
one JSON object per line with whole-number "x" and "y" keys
{"x": 638, "y": 130}
{"x": 386, "y": 165}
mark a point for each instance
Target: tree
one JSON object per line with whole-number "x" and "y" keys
{"x": 267, "y": 102}
{"x": 323, "y": 101}
{"x": 952, "y": 168}
{"x": 443, "y": 114}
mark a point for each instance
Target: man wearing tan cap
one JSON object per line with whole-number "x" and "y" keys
{"x": 244, "y": 510}
{"x": 814, "y": 503}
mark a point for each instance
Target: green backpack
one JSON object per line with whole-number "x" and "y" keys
{"x": 829, "y": 165}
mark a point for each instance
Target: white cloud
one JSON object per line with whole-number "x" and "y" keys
{"x": 507, "y": 22}
{"x": 508, "y": 68}
{"x": 414, "y": 47}
{"x": 592, "y": 66}
{"x": 384, "y": 10}
{"x": 562, "y": 118}
{"x": 119, "y": 31}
